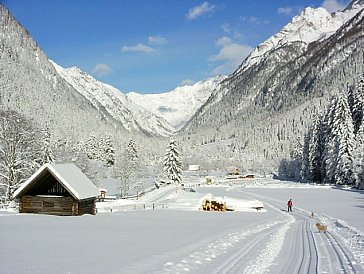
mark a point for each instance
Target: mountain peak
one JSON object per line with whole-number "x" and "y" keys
{"x": 114, "y": 102}
{"x": 178, "y": 106}
{"x": 309, "y": 26}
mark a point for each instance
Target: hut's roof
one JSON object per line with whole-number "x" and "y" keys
{"x": 69, "y": 175}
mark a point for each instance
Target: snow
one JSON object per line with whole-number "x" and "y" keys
{"x": 309, "y": 26}
{"x": 178, "y": 106}
{"x": 179, "y": 238}
{"x": 114, "y": 102}
{"x": 70, "y": 176}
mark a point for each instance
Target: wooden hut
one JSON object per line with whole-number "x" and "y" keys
{"x": 59, "y": 189}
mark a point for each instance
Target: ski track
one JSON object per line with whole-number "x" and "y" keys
{"x": 332, "y": 253}
{"x": 343, "y": 257}
{"x": 304, "y": 257}
{"x": 255, "y": 250}
{"x": 211, "y": 252}
{"x": 258, "y": 246}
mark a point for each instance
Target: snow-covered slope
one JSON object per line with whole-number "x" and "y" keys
{"x": 31, "y": 86}
{"x": 178, "y": 105}
{"x": 263, "y": 108}
{"x": 113, "y": 101}
{"x": 309, "y": 26}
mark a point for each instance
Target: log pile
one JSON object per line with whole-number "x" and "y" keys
{"x": 213, "y": 205}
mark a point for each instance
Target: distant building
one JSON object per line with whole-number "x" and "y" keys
{"x": 59, "y": 189}
{"x": 193, "y": 167}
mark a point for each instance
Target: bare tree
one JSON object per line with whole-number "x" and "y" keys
{"x": 19, "y": 151}
{"x": 127, "y": 168}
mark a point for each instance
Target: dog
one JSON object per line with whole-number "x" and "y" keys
{"x": 321, "y": 228}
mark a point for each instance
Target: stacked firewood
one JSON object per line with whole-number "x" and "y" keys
{"x": 213, "y": 205}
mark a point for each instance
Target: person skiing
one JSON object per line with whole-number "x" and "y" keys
{"x": 290, "y": 204}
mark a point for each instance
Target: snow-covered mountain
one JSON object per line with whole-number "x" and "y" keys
{"x": 266, "y": 105}
{"x": 178, "y": 105}
{"x": 111, "y": 100}
{"x": 309, "y": 26}
{"x": 31, "y": 86}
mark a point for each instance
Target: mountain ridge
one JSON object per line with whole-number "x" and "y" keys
{"x": 115, "y": 102}
{"x": 277, "y": 97}
{"x": 178, "y": 106}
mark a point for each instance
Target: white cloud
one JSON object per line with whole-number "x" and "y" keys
{"x": 285, "y": 10}
{"x": 157, "y": 40}
{"x": 333, "y": 5}
{"x": 290, "y": 11}
{"x": 101, "y": 70}
{"x": 138, "y": 48}
{"x": 254, "y": 20}
{"x": 187, "y": 82}
{"x": 226, "y": 28}
{"x": 230, "y": 56}
{"x": 195, "y": 12}
{"x": 223, "y": 41}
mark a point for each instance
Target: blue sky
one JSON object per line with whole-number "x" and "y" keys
{"x": 152, "y": 46}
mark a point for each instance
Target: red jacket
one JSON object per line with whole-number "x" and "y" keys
{"x": 290, "y": 203}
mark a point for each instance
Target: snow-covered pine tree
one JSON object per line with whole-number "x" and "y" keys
{"x": 20, "y": 149}
{"x": 46, "y": 147}
{"x": 330, "y": 149}
{"x": 132, "y": 154}
{"x": 91, "y": 147}
{"x": 357, "y": 112}
{"x": 304, "y": 173}
{"x": 107, "y": 153}
{"x": 172, "y": 162}
{"x": 315, "y": 151}
{"x": 356, "y": 95}
{"x": 296, "y": 161}
{"x": 359, "y": 158}
{"x": 343, "y": 131}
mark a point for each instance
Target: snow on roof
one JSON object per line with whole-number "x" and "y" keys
{"x": 70, "y": 176}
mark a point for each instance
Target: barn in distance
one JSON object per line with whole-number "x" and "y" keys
{"x": 58, "y": 189}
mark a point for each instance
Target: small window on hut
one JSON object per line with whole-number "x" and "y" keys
{"x": 48, "y": 205}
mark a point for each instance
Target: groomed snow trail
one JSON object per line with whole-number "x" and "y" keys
{"x": 309, "y": 251}
{"x": 284, "y": 243}
{"x": 252, "y": 249}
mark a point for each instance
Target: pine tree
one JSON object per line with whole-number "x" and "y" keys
{"x": 358, "y": 110}
{"x": 330, "y": 150}
{"x": 358, "y": 158}
{"x": 46, "y": 146}
{"x": 357, "y": 98}
{"x": 339, "y": 141}
{"x": 343, "y": 131}
{"x": 132, "y": 154}
{"x": 108, "y": 151}
{"x": 172, "y": 162}
{"x": 304, "y": 173}
{"x": 315, "y": 151}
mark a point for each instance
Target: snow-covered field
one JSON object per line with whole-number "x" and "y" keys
{"x": 176, "y": 237}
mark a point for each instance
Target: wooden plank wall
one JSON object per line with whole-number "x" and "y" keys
{"x": 47, "y": 205}
{"x": 63, "y": 206}
{"x": 87, "y": 206}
